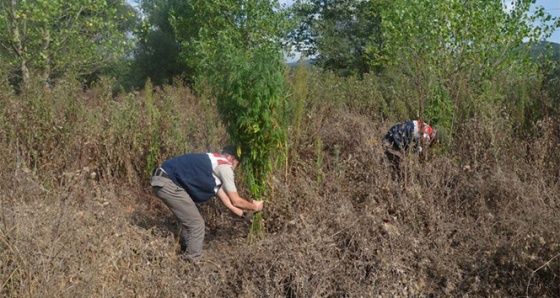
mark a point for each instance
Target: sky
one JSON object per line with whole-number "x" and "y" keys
{"x": 552, "y": 7}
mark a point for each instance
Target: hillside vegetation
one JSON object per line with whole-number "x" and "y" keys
{"x": 476, "y": 216}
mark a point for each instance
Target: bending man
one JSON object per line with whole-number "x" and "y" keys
{"x": 183, "y": 181}
{"x": 402, "y": 136}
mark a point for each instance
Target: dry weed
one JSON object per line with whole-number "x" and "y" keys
{"x": 469, "y": 223}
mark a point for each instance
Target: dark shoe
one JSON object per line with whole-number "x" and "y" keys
{"x": 193, "y": 261}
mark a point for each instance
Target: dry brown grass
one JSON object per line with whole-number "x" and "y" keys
{"x": 469, "y": 223}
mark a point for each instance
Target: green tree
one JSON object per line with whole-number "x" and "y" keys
{"x": 439, "y": 45}
{"x": 236, "y": 49}
{"x": 157, "y": 51}
{"x": 548, "y": 55}
{"x": 336, "y": 33}
{"x": 51, "y": 38}
{"x": 480, "y": 37}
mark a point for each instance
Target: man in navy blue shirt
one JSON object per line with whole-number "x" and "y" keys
{"x": 185, "y": 180}
{"x": 404, "y": 135}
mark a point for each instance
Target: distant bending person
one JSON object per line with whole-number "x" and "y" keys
{"x": 403, "y": 136}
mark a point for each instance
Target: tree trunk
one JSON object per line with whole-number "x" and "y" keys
{"x": 19, "y": 48}
{"x": 47, "y": 60}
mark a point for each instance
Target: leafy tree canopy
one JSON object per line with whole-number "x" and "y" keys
{"x": 54, "y": 37}
{"x": 336, "y": 33}
{"x": 157, "y": 52}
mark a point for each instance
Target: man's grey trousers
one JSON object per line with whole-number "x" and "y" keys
{"x": 186, "y": 212}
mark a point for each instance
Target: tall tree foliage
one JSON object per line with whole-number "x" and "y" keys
{"x": 480, "y": 37}
{"x": 157, "y": 52}
{"x": 336, "y": 33}
{"x": 236, "y": 49}
{"x": 480, "y": 42}
{"x": 55, "y": 37}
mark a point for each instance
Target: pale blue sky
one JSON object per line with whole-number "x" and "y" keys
{"x": 552, "y": 7}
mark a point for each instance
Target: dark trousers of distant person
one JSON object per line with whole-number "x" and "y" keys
{"x": 395, "y": 155}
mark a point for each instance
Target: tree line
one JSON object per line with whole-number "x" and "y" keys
{"x": 156, "y": 38}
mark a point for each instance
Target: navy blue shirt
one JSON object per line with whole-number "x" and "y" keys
{"x": 193, "y": 172}
{"x": 402, "y": 135}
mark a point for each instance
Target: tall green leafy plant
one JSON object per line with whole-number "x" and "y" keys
{"x": 248, "y": 107}
{"x": 237, "y": 53}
